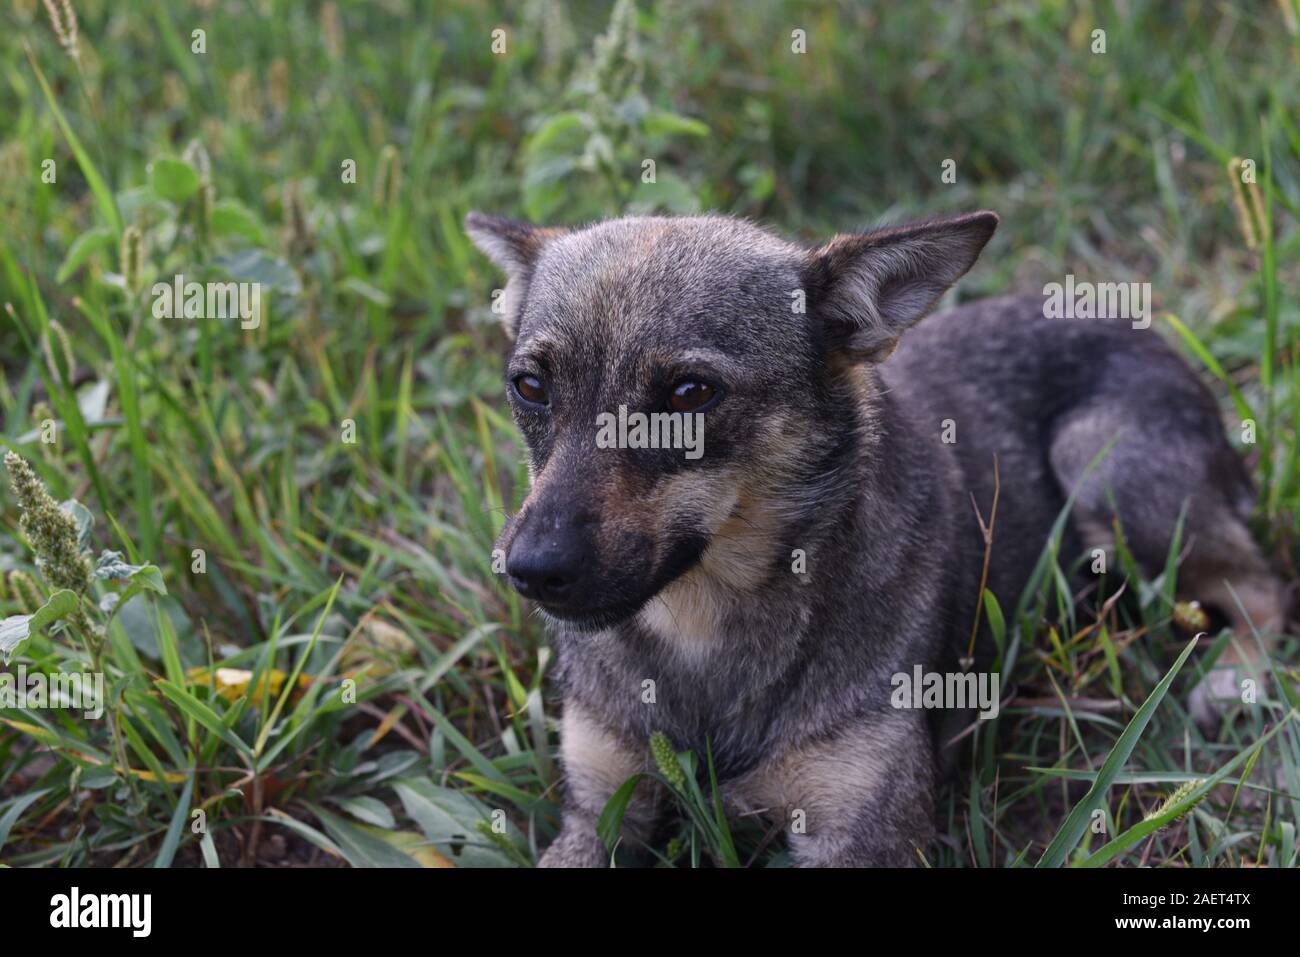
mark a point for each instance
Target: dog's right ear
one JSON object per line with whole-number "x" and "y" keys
{"x": 514, "y": 246}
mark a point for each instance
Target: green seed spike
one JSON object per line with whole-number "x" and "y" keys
{"x": 388, "y": 180}
{"x": 300, "y": 236}
{"x": 1246, "y": 202}
{"x": 58, "y": 353}
{"x": 1180, "y": 793}
{"x": 661, "y": 749}
{"x": 26, "y": 593}
{"x": 132, "y": 257}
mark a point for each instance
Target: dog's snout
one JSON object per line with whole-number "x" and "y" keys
{"x": 547, "y": 560}
{"x": 545, "y": 575}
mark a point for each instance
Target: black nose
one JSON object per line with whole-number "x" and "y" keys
{"x": 546, "y": 574}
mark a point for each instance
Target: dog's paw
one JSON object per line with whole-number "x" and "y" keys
{"x": 1213, "y": 697}
{"x": 572, "y": 849}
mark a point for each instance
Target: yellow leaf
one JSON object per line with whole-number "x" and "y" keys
{"x": 172, "y": 777}
{"x": 45, "y": 737}
{"x": 36, "y": 731}
{"x": 233, "y": 683}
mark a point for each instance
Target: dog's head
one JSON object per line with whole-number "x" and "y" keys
{"x": 733, "y": 348}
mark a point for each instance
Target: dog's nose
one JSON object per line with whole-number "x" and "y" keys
{"x": 544, "y": 574}
{"x": 552, "y": 552}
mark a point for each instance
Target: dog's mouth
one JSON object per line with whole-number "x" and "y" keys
{"x": 588, "y": 619}
{"x": 600, "y": 602}
{"x": 601, "y": 615}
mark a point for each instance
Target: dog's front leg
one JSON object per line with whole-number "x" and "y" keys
{"x": 860, "y": 797}
{"x": 595, "y": 765}
{"x": 577, "y": 845}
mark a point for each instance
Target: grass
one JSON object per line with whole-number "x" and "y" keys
{"x": 334, "y": 672}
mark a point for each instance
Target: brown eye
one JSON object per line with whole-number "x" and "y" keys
{"x": 529, "y": 388}
{"x": 690, "y": 396}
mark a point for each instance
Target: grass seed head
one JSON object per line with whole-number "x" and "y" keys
{"x": 25, "y": 592}
{"x": 58, "y": 353}
{"x": 63, "y": 19}
{"x": 1246, "y": 202}
{"x": 132, "y": 256}
{"x": 666, "y": 760}
{"x": 330, "y": 31}
{"x": 1179, "y": 794}
{"x": 197, "y": 156}
{"x": 388, "y": 181}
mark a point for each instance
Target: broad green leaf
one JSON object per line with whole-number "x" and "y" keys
{"x": 113, "y": 566}
{"x": 173, "y": 179}
{"x": 449, "y": 819}
{"x": 360, "y": 848}
{"x": 662, "y": 123}
{"x": 368, "y": 809}
{"x": 232, "y": 218}
{"x": 253, "y": 265}
{"x": 16, "y": 629}
{"x": 561, "y": 133}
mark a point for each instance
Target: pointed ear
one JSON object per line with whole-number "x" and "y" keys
{"x": 514, "y": 246}
{"x": 869, "y": 288}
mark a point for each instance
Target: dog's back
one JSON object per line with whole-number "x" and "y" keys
{"x": 1046, "y": 396}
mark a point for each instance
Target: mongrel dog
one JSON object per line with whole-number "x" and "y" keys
{"x": 756, "y": 600}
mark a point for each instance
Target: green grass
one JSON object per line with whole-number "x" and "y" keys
{"x": 334, "y": 672}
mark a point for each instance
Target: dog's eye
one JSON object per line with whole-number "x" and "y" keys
{"x": 690, "y": 395}
{"x": 529, "y": 388}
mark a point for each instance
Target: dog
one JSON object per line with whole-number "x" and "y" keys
{"x": 757, "y": 601}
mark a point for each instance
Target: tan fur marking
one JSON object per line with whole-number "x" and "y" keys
{"x": 743, "y": 528}
{"x": 689, "y": 611}
{"x": 595, "y": 762}
{"x": 827, "y": 780}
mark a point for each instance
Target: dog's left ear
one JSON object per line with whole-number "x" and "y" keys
{"x": 868, "y": 288}
{"x": 514, "y": 246}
